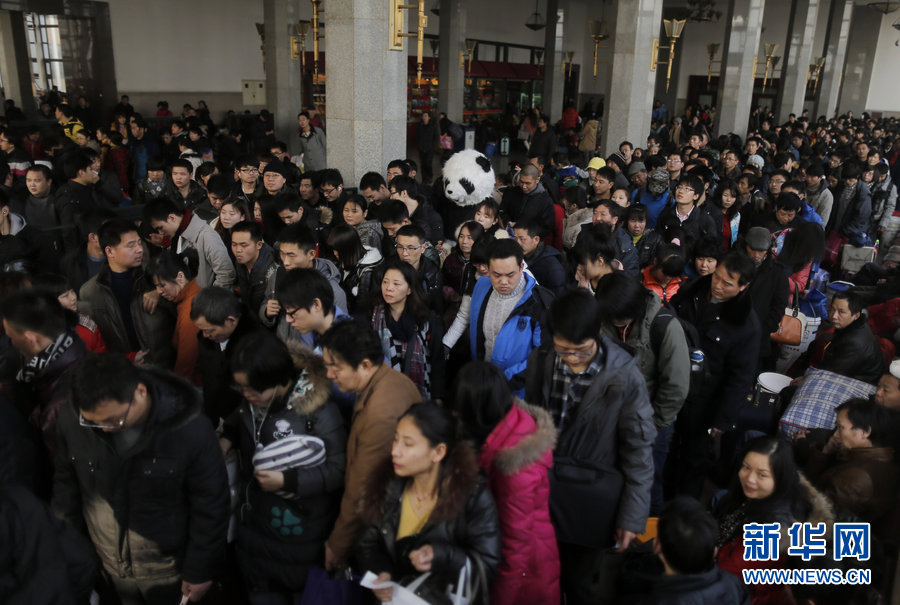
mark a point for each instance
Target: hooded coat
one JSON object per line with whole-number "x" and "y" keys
{"x": 281, "y": 534}
{"x": 517, "y": 457}
{"x": 160, "y": 509}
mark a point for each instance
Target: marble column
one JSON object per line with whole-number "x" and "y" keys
{"x": 554, "y": 78}
{"x": 629, "y": 101}
{"x": 282, "y": 73}
{"x": 451, "y": 78}
{"x": 836, "y": 37}
{"x": 861, "y": 47}
{"x": 743, "y": 27}
{"x": 365, "y": 89}
{"x": 797, "y": 57}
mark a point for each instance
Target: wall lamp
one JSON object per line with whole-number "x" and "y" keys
{"x": 673, "y": 27}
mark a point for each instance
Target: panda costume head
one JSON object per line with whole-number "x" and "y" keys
{"x": 468, "y": 178}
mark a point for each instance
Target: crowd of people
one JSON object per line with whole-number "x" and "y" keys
{"x": 222, "y": 373}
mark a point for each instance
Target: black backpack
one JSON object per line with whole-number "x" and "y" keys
{"x": 658, "y": 328}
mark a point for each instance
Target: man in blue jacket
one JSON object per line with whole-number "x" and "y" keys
{"x": 507, "y": 312}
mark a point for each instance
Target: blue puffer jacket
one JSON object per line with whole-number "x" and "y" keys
{"x": 520, "y": 333}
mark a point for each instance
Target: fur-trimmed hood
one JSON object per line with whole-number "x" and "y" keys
{"x": 312, "y": 389}
{"x": 459, "y": 478}
{"x": 509, "y": 460}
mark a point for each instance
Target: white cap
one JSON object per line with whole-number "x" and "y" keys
{"x": 895, "y": 369}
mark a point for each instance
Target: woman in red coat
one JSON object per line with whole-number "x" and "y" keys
{"x": 516, "y": 444}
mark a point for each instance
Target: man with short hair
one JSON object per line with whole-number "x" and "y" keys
{"x": 543, "y": 140}
{"x": 308, "y": 300}
{"x": 142, "y": 469}
{"x": 373, "y": 187}
{"x": 331, "y": 190}
{"x": 279, "y": 151}
{"x": 24, "y": 248}
{"x": 65, "y": 117}
{"x": 355, "y": 363}
{"x": 185, "y": 190}
{"x": 721, "y": 309}
{"x": 18, "y": 159}
{"x": 86, "y": 261}
{"x": 222, "y": 322}
{"x": 769, "y": 290}
{"x": 675, "y": 166}
{"x": 853, "y": 350}
{"x": 255, "y": 262}
{"x": 603, "y": 184}
{"x": 77, "y": 195}
{"x": 428, "y": 138}
{"x": 411, "y": 244}
{"x": 289, "y": 208}
{"x": 308, "y": 188}
{"x": 38, "y": 327}
{"x": 187, "y": 230}
{"x": 598, "y": 399}
{"x": 684, "y": 212}
{"x": 123, "y": 302}
{"x": 396, "y": 168}
{"x": 544, "y": 262}
{"x": 507, "y": 312}
{"x": 248, "y": 185}
{"x": 637, "y": 174}
{"x": 421, "y": 213}
{"x": 142, "y": 147}
{"x": 852, "y": 209}
{"x": 529, "y": 201}
{"x": 731, "y": 166}
{"x": 40, "y": 210}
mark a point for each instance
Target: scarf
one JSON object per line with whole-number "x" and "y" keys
{"x": 404, "y": 346}
{"x": 41, "y": 361}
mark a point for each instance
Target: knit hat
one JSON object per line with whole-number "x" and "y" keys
{"x": 758, "y": 238}
{"x": 895, "y": 369}
{"x": 658, "y": 181}
{"x": 757, "y": 161}
{"x": 618, "y": 159}
{"x": 635, "y": 167}
{"x": 596, "y": 163}
{"x": 277, "y": 166}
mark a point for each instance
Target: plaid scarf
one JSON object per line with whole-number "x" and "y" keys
{"x": 45, "y": 358}
{"x": 404, "y": 344}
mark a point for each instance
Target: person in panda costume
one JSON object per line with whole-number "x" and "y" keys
{"x": 291, "y": 442}
{"x": 467, "y": 178}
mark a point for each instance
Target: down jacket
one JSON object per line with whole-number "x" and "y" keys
{"x": 160, "y": 509}
{"x": 517, "y": 456}
{"x": 463, "y": 522}
{"x": 281, "y": 534}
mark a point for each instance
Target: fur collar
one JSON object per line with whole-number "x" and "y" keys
{"x": 821, "y": 509}
{"x": 313, "y": 393}
{"x": 529, "y": 450}
{"x": 460, "y": 477}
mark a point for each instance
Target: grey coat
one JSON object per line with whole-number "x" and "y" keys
{"x": 313, "y": 150}
{"x": 215, "y": 268}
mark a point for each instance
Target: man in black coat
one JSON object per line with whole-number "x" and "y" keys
{"x": 529, "y": 201}
{"x": 768, "y": 289}
{"x": 720, "y": 308}
{"x": 222, "y": 322}
{"x": 544, "y": 262}
{"x": 684, "y": 212}
{"x": 854, "y": 350}
{"x": 428, "y": 138}
{"x": 141, "y": 468}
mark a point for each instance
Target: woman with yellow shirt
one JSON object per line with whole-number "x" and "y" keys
{"x": 430, "y": 510}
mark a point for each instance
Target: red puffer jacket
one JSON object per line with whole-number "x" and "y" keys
{"x": 517, "y": 456}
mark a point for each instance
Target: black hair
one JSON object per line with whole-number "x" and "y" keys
{"x": 867, "y": 415}
{"x": 737, "y": 263}
{"x": 42, "y": 169}
{"x": 313, "y": 177}
{"x": 215, "y": 304}
{"x": 854, "y": 300}
{"x": 620, "y": 296}
{"x": 65, "y": 110}
{"x": 490, "y": 205}
{"x": 594, "y": 242}
{"x": 693, "y": 181}
{"x": 851, "y": 170}
{"x": 373, "y": 181}
{"x": 159, "y": 209}
{"x": 416, "y": 303}
{"x": 353, "y": 343}
{"x": 156, "y": 163}
{"x": 576, "y": 196}
{"x": 246, "y": 161}
{"x": 288, "y": 200}
{"x": 251, "y": 227}
{"x": 637, "y": 212}
{"x": 687, "y": 536}
{"x": 438, "y": 425}
{"x": 476, "y": 229}
{"x": 36, "y": 310}
{"x": 104, "y": 377}
{"x": 505, "y": 248}
{"x": 167, "y": 265}
{"x": 182, "y": 163}
{"x": 53, "y": 283}
{"x": 220, "y": 185}
{"x": 529, "y": 226}
{"x": 669, "y": 259}
{"x": 708, "y": 246}
{"x": 573, "y": 315}
{"x": 110, "y": 232}
{"x": 401, "y": 164}
{"x": 481, "y": 398}
{"x": 75, "y": 163}
{"x": 264, "y": 359}
{"x": 330, "y": 176}
{"x": 607, "y": 173}
{"x": 345, "y": 241}
{"x": 403, "y": 183}
{"x": 300, "y": 235}
{"x": 300, "y": 288}
{"x": 394, "y": 212}
{"x": 358, "y": 200}
{"x": 789, "y": 202}
{"x": 413, "y": 230}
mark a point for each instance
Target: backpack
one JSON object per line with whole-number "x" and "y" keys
{"x": 658, "y": 328}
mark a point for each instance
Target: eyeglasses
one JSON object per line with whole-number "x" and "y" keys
{"x": 328, "y": 191}
{"x": 250, "y": 170}
{"x": 407, "y": 248}
{"x": 684, "y": 188}
{"x": 115, "y": 425}
{"x": 290, "y": 312}
{"x": 575, "y": 354}
{"x": 673, "y": 160}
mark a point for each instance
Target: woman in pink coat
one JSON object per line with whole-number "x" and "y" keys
{"x": 516, "y": 444}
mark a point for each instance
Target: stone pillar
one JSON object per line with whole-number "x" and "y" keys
{"x": 861, "y": 47}
{"x": 742, "y": 31}
{"x": 11, "y": 85}
{"x": 836, "y": 37}
{"x": 451, "y": 78}
{"x": 365, "y": 89}
{"x": 554, "y": 78}
{"x": 797, "y": 57}
{"x": 630, "y": 100}
{"x": 282, "y": 73}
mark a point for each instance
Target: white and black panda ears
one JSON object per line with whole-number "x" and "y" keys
{"x": 484, "y": 163}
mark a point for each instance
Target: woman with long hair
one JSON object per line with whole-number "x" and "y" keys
{"x": 767, "y": 488}
{"x": 429, "y": 511}
{"x": 410, "y": 332}
{"x": 358, "y": 264}
{"x": 231, "y": 212}
{"x": 515, "y": 443}
{"x": 729, "y": 221}
{"x": 802, "y": 245}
